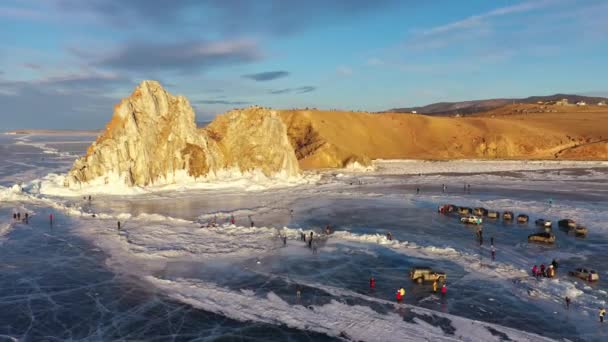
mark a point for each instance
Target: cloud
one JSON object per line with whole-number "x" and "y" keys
{"x": 21, "y": 13}
{"x": 189, "y": 56}
{"x": 223, "y": 102}
{"x": 299, "y": 90}
{"x": 477, "y": 20}
{"x": 232, "y": 17}
{"x": 266, "y": 76}
{"x": 344, "y": 71}
{"x": 44, "y": 104}
{"x": 32, "y": 66}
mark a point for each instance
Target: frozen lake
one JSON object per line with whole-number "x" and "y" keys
{"x": 163, "y": 277}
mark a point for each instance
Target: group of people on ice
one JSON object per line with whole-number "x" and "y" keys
{"x": 547, "y": 272}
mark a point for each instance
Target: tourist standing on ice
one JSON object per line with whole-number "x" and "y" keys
{"x": 493, "y": 251}
{"x": 400, "y": 294}
{"x": 372, "y": 283}
{"x": 417, "y": 191}
{"x": 535, "y": 271}
{"x": 232, "y": 220}
{"x": 27, "y": 218}
{"x": 435, "y": 286}
{"x": 51, "y": 218}
{"x": 389, "y": 236}
{"x": 444, "y": 289}
{"x": 118, "y": 225}
{"x": 567, "y": 302}
{"x": 602, "y": 314}
{"x": 284, "y": 240}
{"x": 555, "y": 264}
{"x": 542, "y": 270}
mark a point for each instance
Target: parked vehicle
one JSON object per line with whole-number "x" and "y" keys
{"x": 471, "y": 219}
{"x": 480, "y": 211}
{"x": 567, "y": 223}
{"x": 522, "y": 218}
{"x": 464, "y": 211}
{"x": 543, "y": 223}
{"x": 507, "y": 216}
{"x": 493, "y": 214}
{"x": 580, "y": 231}
{"x": 542, "y": 238}
{"x": 585, "y": 274}
{"x": 421, "y": 274}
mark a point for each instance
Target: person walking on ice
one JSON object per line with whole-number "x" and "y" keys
{"x": 602, "y": 314}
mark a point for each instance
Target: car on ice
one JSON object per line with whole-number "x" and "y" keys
{"x": 543, "y": 223}
{"x": 542, "y": 238}
{"x": 493, "y": 214}
{"x": 567, "y": 223}
{"x": 421, "y": 274}
{"x": 480, "y": 211}
{"x": 507, "y": 215}
{"x": 464, "y": 210}
{"x": 522, "y": 218}
{"x": 471, "y": 219}
{"x": 585, "y": 274}
{"x": 580, "y": 231}
{"x": 446, "y": 208}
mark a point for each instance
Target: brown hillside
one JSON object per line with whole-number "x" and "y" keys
{"x": 333, "y": 139}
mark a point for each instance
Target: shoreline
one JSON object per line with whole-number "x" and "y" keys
{"x": 51, "y": 132}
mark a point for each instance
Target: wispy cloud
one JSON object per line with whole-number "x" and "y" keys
{"x": 299, "y": 90}
{"x": 477, "y": 20}
{"x": 32, "y": 66}
{"x": 344, "y": 71}
{"x": 266, "y": 76}
{"x": 21, "y": 13}
{"x": 187, "y": 56}
{"x": 232, "y": 17}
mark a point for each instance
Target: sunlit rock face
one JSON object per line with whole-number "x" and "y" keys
{"x": 254, "y": 138}
{"x": 153, "y": 137}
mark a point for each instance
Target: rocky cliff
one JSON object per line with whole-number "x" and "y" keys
{"x": 152, "y": 138}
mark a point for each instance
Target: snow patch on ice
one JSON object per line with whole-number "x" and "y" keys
{"x": 355, "y": 322}
{"x": 114, "y": 184}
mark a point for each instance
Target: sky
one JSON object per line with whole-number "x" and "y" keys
{"x": 65, "y": 63}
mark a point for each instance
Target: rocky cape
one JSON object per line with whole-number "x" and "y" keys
{"x": 153, "y": 139}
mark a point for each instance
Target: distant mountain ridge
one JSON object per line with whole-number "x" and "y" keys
{"x": 476, "y": 106}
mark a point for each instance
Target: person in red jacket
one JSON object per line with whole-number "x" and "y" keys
{"x": 51, "y": 218}
{"x": 534, "y": 271}
{"x": 399, "y": 296}
{"x": 372, "y": 283}
{"x": 444, "y": 289}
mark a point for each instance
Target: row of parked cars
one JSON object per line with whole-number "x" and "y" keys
{"x": 474, "y": 216}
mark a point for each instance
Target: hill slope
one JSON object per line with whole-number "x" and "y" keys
{"x": 334, "y": 139}
{"x": 476, "y": 106}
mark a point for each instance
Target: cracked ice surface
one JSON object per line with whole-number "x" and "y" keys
{"x": 164, "y": 277}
